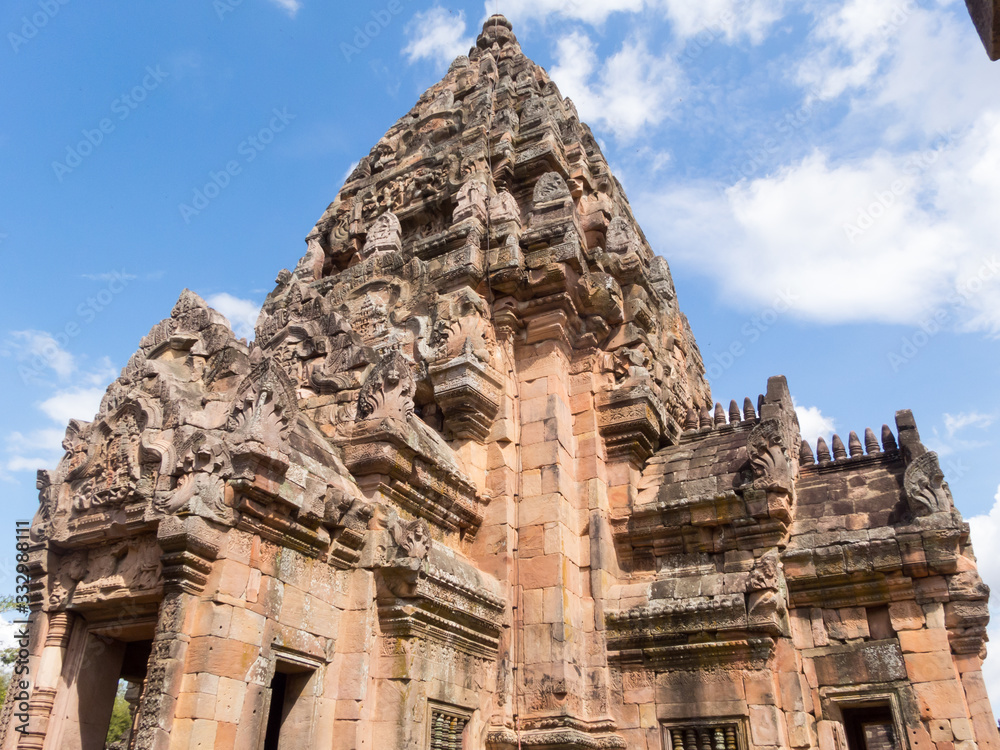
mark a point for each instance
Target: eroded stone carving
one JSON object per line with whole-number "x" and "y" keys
{"x": 550, "y": 187}
{"x": 926, "y": 490}
{"x": 383, "y": 236}
{"x": 388, "y": 391}
{"x": 769, "y": 457}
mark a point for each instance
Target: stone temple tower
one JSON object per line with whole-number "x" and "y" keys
{"x": 467, "y": 489}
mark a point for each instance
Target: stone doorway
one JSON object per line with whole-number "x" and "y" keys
{"x": 871, "y": 728}
{"x": 99, "y": 658}
{"x": 292, "y": 706}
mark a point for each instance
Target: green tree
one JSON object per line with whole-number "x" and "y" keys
{"x": 121, "y": 718}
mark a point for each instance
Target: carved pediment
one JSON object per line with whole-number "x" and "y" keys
{"x": 265, "y": 406}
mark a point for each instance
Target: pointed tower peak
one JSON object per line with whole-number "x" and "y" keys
{"x": 496, "y": 30}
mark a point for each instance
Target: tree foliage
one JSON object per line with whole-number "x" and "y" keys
{"x": 121, "y": 718}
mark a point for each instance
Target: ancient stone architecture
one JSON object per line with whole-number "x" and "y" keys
{"x": 468, "y": 489}
{"x": 986, "y": 16}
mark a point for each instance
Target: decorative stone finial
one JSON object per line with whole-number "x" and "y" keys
{"x": 822, "y": 451}
{"x": 748, "y": 411}
{"x": 734, "y": 412}
{"x": 854, "y": 444}
{"x": 691, "y": 423}
{"x": 888, "y": 439}
{"x": 720, "y": 415}
{"x": 496, "y": 30}
{"x": 871, "y": 442}
{"x": 839, "y": 451}
{"x": 806, "y": 457}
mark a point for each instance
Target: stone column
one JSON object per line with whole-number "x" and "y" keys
{"x": 46, "y": 679}
{"x": 550, "y": 548}
{"x": 189, "y": 545}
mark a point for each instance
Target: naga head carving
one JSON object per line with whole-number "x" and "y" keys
{"x": 413, "y": 537}
{"x": 388, "y": 390}
{"x": 926, "y": 490}
{"x": 769, "y": 457}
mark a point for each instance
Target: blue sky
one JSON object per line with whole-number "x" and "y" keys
{"x": 823, "y": 178}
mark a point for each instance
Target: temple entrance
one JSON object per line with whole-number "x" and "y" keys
{"x": 870, "y": 728}
{"x": 293, "y": 700}
{"x": 103, "y": 664}
{"x": 121, "y": 735}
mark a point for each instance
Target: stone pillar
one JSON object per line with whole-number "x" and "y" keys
{"x": 46, "y": 678}
{"x": 189, "y": 546}
{"x": 83, "y": 706}
{"x": 549, "y": 546}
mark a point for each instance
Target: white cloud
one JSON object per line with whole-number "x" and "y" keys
{"x": 438, "y": 35}
{"x": 955, "y": 422}
{"x": 813, "y": 423}
{"x": 625, "y": 93}
{"x": 241, "y": 313}
{"x": 42, "y": 447}
{"x": 8, "y": 631}
{"x": 891, "y": 237}
{"x": 290, "y": 6}
{"x": 730, "y": 18}
{"x": 73, "y": 403}
{"x": 895, "y": 54}
{"x": 985, "y": 531}
{"x": 39, "y": 351}
{"x": 38, "y": 449}
{"x": 854, "y": 40}
{"x": 590, "y": 11}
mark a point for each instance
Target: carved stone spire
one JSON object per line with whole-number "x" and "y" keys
{"x": 871, "y": 442}
{"x": 888, "y": 439}
{"x": 720, "y": 415}
{"x": 854, "y": 445}
{"x": 839, "y": 451}
{"x": 734, "y": 412}
{"x": 822, "y": 451}
{"x": 806, "y": 457}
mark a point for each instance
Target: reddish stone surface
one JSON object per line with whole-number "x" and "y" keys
{"x": 469, "y": 486}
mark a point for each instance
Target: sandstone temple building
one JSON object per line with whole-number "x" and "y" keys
{"x": 468, "y": 488}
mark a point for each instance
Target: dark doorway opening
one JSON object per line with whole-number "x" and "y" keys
{"x": 289, "y": 718}
{"x": 279, "y": 686}
{"x": 871, "y": 728}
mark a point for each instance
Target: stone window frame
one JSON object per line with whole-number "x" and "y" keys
{"x": 854, "y": 697}
{"x": 739, "y": 723}
{"x": 449, "y": 709}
